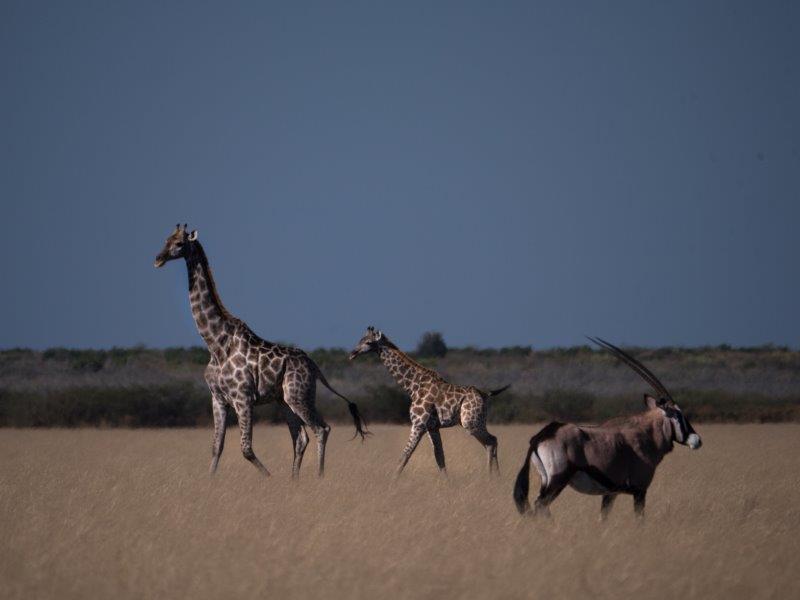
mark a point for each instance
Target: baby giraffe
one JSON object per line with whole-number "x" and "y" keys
{"x": 435, "y": 403}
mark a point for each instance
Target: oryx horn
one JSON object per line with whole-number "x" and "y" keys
{"x": 634, "y": 364}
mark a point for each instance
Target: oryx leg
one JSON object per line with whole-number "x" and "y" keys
{"x": 299, "y": 441}
{"x": 549, "y": 492}
{"x": 220, "y": 410}
{"x": 299, "y": 389}
{"x": 606, "y": 505}
{"x": 638, "y": 502}
{"x": 438, "y": 450}
{"x": 417, "y": 429}
{"x": 244, "y": 413}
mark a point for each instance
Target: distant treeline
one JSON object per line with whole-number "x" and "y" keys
{"x": 143, "y": 387}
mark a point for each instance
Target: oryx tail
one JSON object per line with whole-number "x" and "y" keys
{"x": 522, "y": 485}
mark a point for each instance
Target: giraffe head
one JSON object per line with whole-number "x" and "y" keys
{"x": 371, "y": 342}
{"x": 176, "y": 246}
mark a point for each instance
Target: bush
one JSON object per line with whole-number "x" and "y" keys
{"x": 386, "y": 404}
{"x": 80, "y": 360}
{"x": 431, "y": 345}
{"x": 568, "y": 405}
{"x": 177, "y": 405}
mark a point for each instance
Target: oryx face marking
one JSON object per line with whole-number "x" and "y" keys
{"x": 682, "y": 431}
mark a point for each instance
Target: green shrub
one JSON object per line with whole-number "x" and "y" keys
{"x": 568, "y": 405}
{"x": 194, "y": 355}
{"x": 431, "y": 345}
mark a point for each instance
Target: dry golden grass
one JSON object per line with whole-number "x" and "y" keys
{"x": 133, "y": 514}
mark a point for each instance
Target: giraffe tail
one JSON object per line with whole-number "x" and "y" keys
{"x": 358, "y": 420}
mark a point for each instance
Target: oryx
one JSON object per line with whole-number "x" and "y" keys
{"x": 618, "y": 457}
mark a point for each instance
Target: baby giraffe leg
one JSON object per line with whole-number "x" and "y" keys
{"x": 490, "y": 443}
{"x": 417, "y": 429}
{"x": 438, "y": 450}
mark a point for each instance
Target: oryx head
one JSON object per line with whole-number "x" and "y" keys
{"x": 682, "y": 431}
{"x": 176, "y": 246}
{"x": 371, "y": 342}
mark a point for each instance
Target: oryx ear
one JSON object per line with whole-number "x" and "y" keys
{"x": 650, "y": 402}
{"x": 193, "y": 236}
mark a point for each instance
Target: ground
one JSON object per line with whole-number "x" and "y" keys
{"x": 133, "y": 513}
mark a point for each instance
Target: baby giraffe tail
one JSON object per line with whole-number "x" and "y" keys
{"x": 498, "y": 391}
{"x": 358, "y": 420}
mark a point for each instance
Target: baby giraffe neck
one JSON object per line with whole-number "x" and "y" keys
{"x": 401, "y": 367}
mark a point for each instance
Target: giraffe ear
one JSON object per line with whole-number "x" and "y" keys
{"x": 193, "y": 236}
{"x": 378, "y": 335}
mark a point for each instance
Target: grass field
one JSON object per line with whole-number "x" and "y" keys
{"x": 132, "y": 514}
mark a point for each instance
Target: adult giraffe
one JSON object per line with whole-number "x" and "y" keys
{"x": 435, "y": 403}
{"x": 245, "y": 370}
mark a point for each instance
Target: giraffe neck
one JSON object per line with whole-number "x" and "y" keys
{"x": 403, "y": 368}
{"x": 210, "y": 315}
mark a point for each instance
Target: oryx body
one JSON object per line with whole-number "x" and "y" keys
{"x": 617, "y": 457}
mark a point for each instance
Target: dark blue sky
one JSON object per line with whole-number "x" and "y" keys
{"x": 507, "y": 173}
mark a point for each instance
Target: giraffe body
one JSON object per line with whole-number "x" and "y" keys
{"x": 435, "y": 403}
{"x": 245, "y": 370}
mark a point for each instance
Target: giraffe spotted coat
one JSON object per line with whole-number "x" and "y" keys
{"x": 435, "y": 403}
{"x": 245, "y": 370}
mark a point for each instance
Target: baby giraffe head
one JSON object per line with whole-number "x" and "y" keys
{"x": 177, "y": 245}
{"x": 371, "y": 342}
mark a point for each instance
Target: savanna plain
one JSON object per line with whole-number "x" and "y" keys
{"x": 133, "y": 513}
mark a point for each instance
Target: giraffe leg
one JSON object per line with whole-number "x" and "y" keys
{"x": 321, "y": 431}
{"x": 417, "y": 429}
{"x": 299, "y": 389}
{"x": 299, "y": 441}
{"x": 438, "y": 449}
{"x": 220, "y": 410}
{"x": 490, "y": 443}
{"x": 244, "y": 413}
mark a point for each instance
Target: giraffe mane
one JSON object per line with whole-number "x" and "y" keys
{"x": 410, "y": 361}
{"x": 202, "y": 259}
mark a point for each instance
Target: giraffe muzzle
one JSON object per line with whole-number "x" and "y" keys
{"x": 160, "y": 261}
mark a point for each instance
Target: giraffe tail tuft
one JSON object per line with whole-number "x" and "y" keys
{"x": 358, "y": 421}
